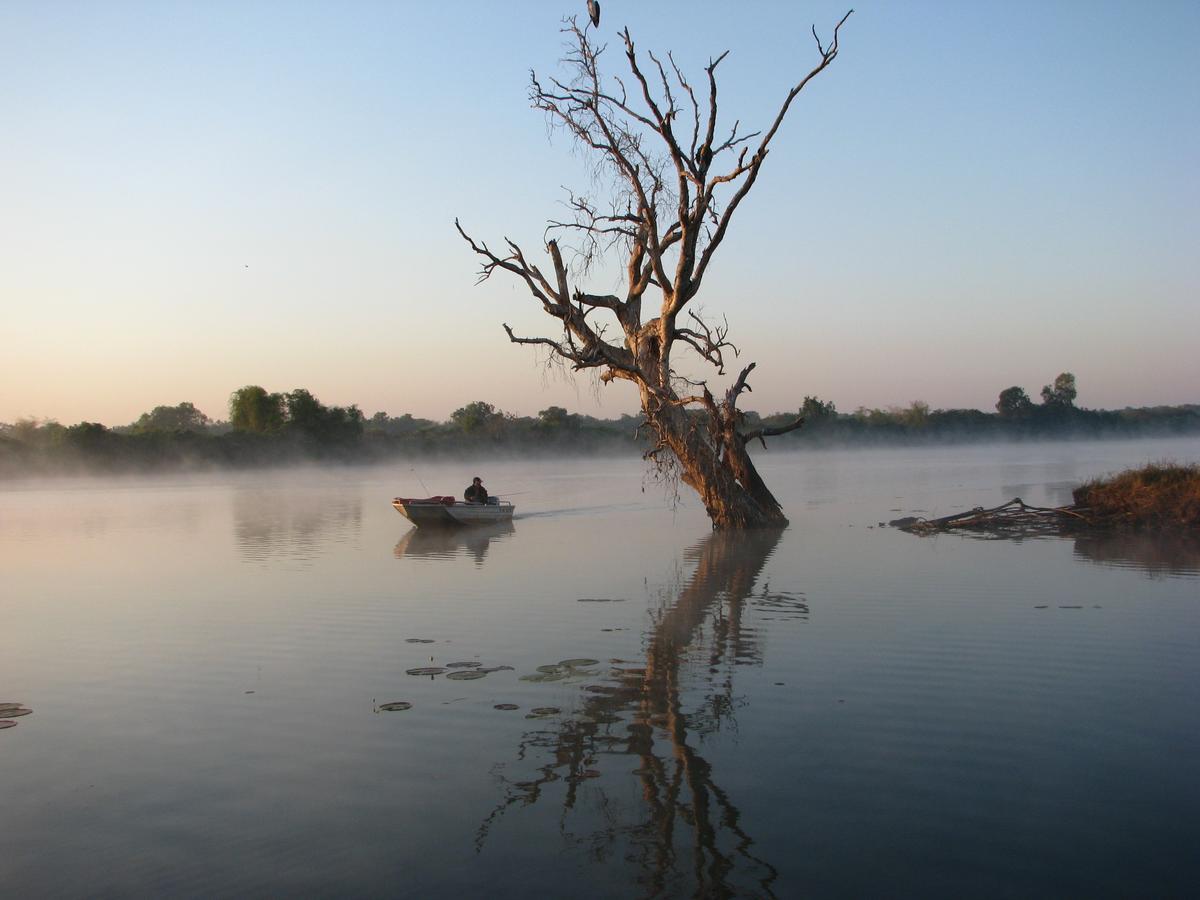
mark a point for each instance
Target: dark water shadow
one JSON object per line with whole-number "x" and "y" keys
{"x": 1158, "y": 555}
{"x": 684, "y": 835}
{"x": 452, "y": 543}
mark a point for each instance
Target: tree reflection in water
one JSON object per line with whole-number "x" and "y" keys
{"x": 686, "y": 832}
{"x": 271, "y": 523}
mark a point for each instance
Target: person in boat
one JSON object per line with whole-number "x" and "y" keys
{"x": 476, "y": 492}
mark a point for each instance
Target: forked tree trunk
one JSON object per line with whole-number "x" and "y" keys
{"x": 678, "y": 180}
{"x": 717, "y": 467}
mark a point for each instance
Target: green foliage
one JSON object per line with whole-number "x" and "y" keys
{"x": 476, "y": 417}
{"x": 1014, "y": 403}
{"x": 322, "y": 425}
{"x": 1062, "y": 393}
{"x": 382, "y": 423}
{"x": 252, "y": 409}
{"x": 184, "y": 417}
{"x": 816, "y": 412}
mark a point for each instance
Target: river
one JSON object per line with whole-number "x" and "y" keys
{"x": 644, "y": 708}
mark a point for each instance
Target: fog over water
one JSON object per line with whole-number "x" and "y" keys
{"x": 837, "y": 709}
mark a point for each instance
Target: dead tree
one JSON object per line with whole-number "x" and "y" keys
{"x": 677, "y": 178}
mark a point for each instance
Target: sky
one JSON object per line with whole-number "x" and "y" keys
{"x": 197, "y": 196}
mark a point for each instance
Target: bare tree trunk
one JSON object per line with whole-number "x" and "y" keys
{"x": 677, "y": 182}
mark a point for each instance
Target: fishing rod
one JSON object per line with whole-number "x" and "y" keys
{"x": 413, "y": 469}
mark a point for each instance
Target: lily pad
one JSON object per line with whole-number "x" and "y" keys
{"x": 5, "y": 723}
{"x": 463, "y": 665}
{"x": 542, "y": 677}
{"x": 12, "y": 713}
{"x": 506, "y": 706}
{"x": 4, "y": 706}
{"x": 578, "y": 663}
{"x": 418, "y": 640}
{"x": 426, "y": 670}
{"x": 487, "y": 670}
{"x": 395, "y": 706}
{"x": 465, "y": 676}
{"x": 545, "y": 711}
{"x": 550, "y": 670}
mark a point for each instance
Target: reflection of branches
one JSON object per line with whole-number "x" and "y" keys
{"x": 278, "y": 524}
{"x": 686, "y": 814}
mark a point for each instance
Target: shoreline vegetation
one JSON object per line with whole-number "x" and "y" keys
{"x": 1158, "y": 497}
{"x": 269, "y": 429}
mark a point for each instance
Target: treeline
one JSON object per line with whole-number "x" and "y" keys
{"x": 266, "y": 428}
{"x": 1017, "y": 417}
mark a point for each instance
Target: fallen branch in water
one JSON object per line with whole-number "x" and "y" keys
{"x": 1014, "y": 518}
{"x": 1159, "y": 497}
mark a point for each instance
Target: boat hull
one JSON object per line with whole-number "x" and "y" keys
{"x": 444, "y": 512}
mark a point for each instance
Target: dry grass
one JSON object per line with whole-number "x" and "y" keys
{"x": 1159, "y": 495}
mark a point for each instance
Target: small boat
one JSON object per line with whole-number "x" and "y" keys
{"x": 445, "y": 511}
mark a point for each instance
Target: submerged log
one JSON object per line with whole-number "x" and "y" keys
{"x": 1012, "y": 519}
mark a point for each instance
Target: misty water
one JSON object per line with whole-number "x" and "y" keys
{"x": 839, "y": 710}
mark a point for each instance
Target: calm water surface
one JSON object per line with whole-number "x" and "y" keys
{"x": 839, "y": 710}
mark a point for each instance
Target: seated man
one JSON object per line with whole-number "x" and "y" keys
{"x": 476, "y": 493}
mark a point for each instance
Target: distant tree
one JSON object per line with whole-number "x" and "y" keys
{"x": 476, "y": 417}
{"x": 310, "y": 418}
{"x": 917, "y": 414}
{"x": 1014, "y": 403}
{"x": 815, "y": 411}
{"x": 252, "y": 409}
{"x": 184, "y": 417}
{"x": 1062, "y": 393}
{"x": 556, "y": 418}
{"x": 405, "y": 424}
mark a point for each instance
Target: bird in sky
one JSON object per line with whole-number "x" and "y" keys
{"x": 594, "y": 13}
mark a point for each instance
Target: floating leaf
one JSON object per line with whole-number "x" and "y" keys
{"x": 13, "y": 712}
{"x": 395, "y": 706}
{"x": 543, "y": 677}
{"x": 4, "y": 706}
{"x": 600, "y": 600}
{"x": 418, "y": 640}
{"x": 463, "y": 665}
{"x": 602, "y": 689}
{"x": 426, "y": 670}
{"x": 578, "y": 663}
{"x": 545, "y": 711}
{"x": 5, "y": 723}
{"x": 465, "y": 676}
{"x": 506, "y": 706}
{"x": 550, "y": 670}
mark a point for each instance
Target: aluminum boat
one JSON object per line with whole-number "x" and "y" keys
{"x": 446, "y": 511}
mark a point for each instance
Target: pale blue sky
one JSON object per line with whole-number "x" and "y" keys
{"x": 197, "y": 196}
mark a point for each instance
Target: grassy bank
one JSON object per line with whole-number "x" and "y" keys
{"x": 1157, "y": 496}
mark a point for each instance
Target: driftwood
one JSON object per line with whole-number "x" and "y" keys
{"x": 1016, "y": 518}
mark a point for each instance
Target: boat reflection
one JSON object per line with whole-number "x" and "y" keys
{"x": 446, "y": 543}
{"x": 1155, "y": 554}
{"x": 684, "y": 833}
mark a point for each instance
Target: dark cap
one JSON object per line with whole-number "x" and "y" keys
{"x": 477, "y": 478}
